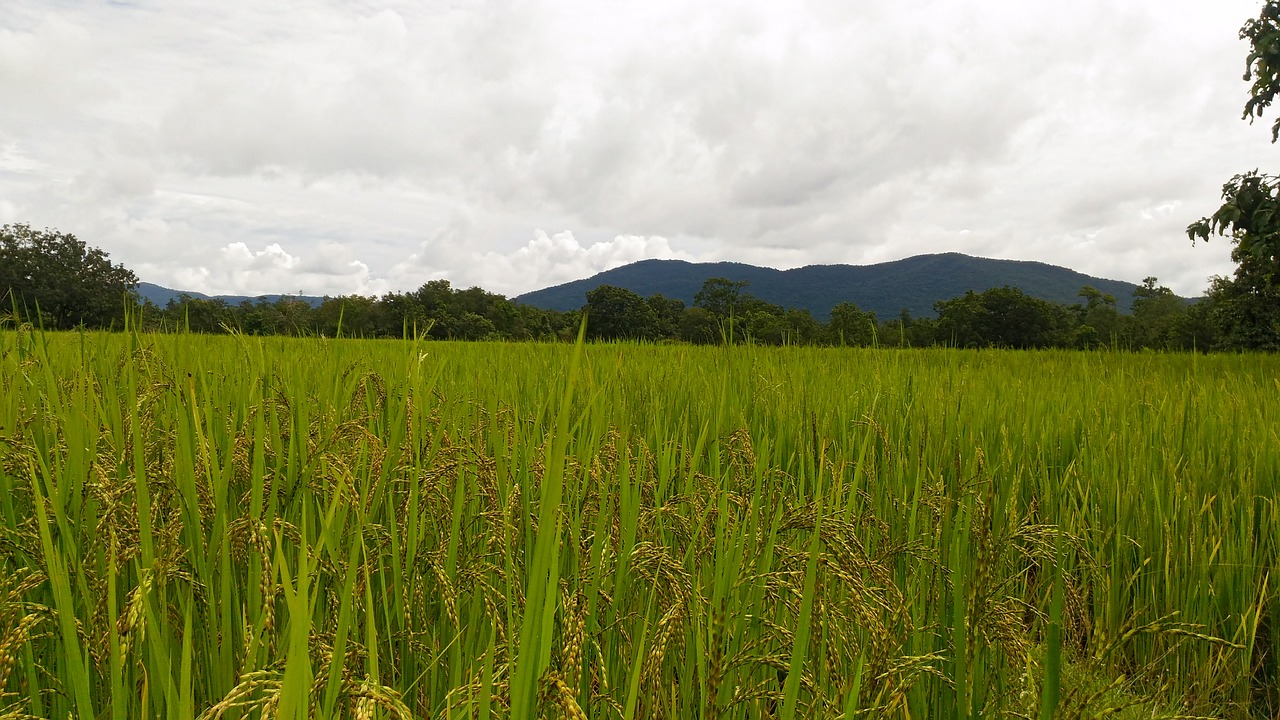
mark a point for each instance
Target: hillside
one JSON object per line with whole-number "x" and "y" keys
{"x": 160, "y": 295}
{"x": 915, "y": 283}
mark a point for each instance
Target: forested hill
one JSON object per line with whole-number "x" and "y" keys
{"x": 915, "y": 283}
{"x": 160, "y": 296}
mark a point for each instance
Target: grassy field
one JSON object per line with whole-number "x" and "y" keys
{"x": 240, "y": 528}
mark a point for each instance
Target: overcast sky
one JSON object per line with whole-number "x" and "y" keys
{"x": 365, "y": 146}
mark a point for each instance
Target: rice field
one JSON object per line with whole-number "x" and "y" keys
{"x": 236, "y": 527}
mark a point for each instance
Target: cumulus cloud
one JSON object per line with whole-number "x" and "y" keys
{"x": 545, "y": 260}
{"x": 364, "y": 147}
{"x": 239, "y": 269}
{"x": 553, "y": 259}
{"x": 271, "y": 257}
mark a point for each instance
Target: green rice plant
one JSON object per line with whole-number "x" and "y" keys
{"x": 237, "y": 527}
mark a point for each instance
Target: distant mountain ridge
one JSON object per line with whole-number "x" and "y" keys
{"x": 160, "y": 295}
{"x": 914, "y": 284}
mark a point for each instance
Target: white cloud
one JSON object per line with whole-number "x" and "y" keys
{"x": 545, "y": 260}
{"x": 380, "y": 144}
{"x": 239, "y": 256}
{"x": 42, "y": 67}
{"x": 241, "y": 270}
{"x": 553, "y": 259}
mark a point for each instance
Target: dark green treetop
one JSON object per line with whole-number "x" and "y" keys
{"x": 56, "y": 275}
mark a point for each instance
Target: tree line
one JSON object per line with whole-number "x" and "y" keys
{"x": 56, "y": 281}
{"x": 436, "y": 310}
{"x": 724, "y": 311}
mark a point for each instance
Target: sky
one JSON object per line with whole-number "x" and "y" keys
{"x": 332, "y": 147}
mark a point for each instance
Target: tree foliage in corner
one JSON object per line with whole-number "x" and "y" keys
{"x": 67, "y": 282}
{"x": 1247, "y": 307}
{"x": 1262, "y": 67}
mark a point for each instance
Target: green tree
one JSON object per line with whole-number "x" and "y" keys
{"x": 1249, "y": 303}
{"x": 1157, "y": 313}
{"x": 200, "y": 315}
{"x": 473, "y": 326}
{"x": 435, "y": 296}
{"x": 699, "y": 326}
{"x": 1099, "y": 323}
{"x": 401, "y": 315}
{"x": 1262, "y": 66}
{"x": 960, "y": 321}
{"x": 667, "y": 312}
{"x": 849, "y": 325}
{"x": 1001, "y": 317}
{"x": 476, "y": 300}
{"x": 534, "y": 323}
{"x": 1250, "y": 215}
{"x": 764, "y": 327}
{"x": 71, "y": 283}
{"x": 296, "y": 316}
{"x": 801, "y": 327}
{"x": 505, "y": 317}
{"x": 1015, "y": 319}
{"x": 721, "y": 296}
{"x": 566, "y": 325}
{"x": 1245, "y": 312}
{"x": 347, "y": 315}
{"x": 615, "y": 313}
{"x": 259, "y": 318}
{"x": 1196, "y": 328}
{"x": 906, "y": 331}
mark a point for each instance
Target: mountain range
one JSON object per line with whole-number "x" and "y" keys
{"x": 160, "y": 295}
{"x": 913, "y": 284}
